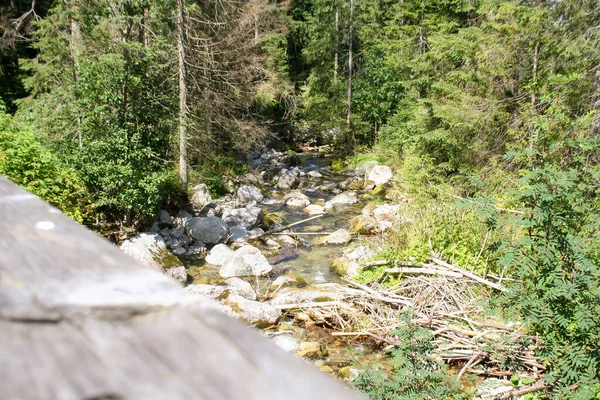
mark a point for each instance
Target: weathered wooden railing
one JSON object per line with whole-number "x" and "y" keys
{"x": 81, "y": 320}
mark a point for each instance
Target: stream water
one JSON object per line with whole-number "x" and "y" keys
{"x": 310, "y": 261}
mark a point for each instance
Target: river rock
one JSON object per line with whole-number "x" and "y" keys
{"x": 253, "y": 312}
{"x": 354, "y": 183}
{"x": 251, "y": 178}
{"x": 196, "y": 249}
{"x": 364, "y": 224}
{"x": 341, "y": 236}
{"x": 286, "y": 343}
{"x": 218, "y": 255}
{"x": 245, "y": 218}
{"x": 379, "y": 174}
{"x": 287, "y": 181}
{"x": 296, "y": 199}
{"x": 247, "y": 193}
{"x": 314, "y": 209}
{"x": 182, "y": 218}
{"x": 240, "y": 287}
{"x": 246, "y": 261}
{"x": 201, "y": 196}
{"x": 287, "y": 280}
{"x": 349, "y": 264}
{"x": 316, "y": 293}
{"x": 342, "y": 199}
{"x": 164, "y": 219}
{"x": 291, "y": 160}
{"x": 208, "y": 230}
{"x": 238, "y": 234}
{"x": 210, "y": 291}
{"x": 314, "y": 174}
{"x": 273, "y": 218}
{"x": 312, "y": 350}
{"x": 151, "y": 249}
{"x": 365, "y": 167}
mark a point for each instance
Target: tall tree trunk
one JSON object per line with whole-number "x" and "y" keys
{"x": 183, "y": 94}
{"x": 350, "y": 143}
{"x": 349, "y": 95}
{"x": 337, "y": 44}
{"x": 75, "y": 44}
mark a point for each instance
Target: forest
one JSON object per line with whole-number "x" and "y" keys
{"x": 488, "y": 111}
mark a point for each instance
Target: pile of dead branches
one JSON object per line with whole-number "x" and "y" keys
{"x": 447, "y": 303}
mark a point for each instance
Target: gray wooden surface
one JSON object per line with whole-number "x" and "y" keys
{"x": 81, "y": 320}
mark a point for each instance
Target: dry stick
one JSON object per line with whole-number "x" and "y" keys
{"x": 425, "y": 271}
{"x": 476, "y": 359}
{"x": 469, "y": 274}
{"x": 536, "y": 387}
{"x": 302, "y": 233}
{"x": 255, "y": 237}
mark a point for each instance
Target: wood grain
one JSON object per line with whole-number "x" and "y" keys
{"x": 81, "y": 320}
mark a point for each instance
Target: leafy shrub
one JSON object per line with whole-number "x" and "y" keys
{"x": 417, "y": 373}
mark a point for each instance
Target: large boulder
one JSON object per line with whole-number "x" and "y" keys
{"x": 245, "y": 261}
{"x": 253, "y": 312}
{"x": 379, "y": 174}
{"x": 247, "y": 193}
{"x": 246, "y": 218}
{"x": 201, "y": 196}
{"x": 151, "y": 249}
{"x": 208, "y": 230}
{"x": 365, "y": 167}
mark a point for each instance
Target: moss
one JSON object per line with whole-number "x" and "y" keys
{"x": 369, "y": 208}
{"x": 378, "y": 191}
{"x": 337, "y": 165}
{"x": 273, "y": 218}
{"x": 362, "y": 224}
{"x": 339, "y": 267}
{"x": 166, "y": 259}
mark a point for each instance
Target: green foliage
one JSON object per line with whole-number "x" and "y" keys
{"x": 28, "y": 163}
{"x": 417, "y": 373}
{"x": 558, "y": 291}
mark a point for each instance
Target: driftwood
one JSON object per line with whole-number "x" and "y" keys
{"x": 511, "y": 394}
{"x": 79, "y": 319}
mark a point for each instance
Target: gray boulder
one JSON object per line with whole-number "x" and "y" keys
{"x": 296, "y": 199}
{"x": 151, "y": 249}
{"x": 365, "y": 167}
{"x": 164, "y": 219}
{"x": 287, "y": 181}
{"x": 182, "y": 218}
{"x": 246, "y": 261}
{"x": 245, "y": 218}
{"x": 247, "y": 193}
{"x": 201, "y": 196}
{"x": 208, "y": 230}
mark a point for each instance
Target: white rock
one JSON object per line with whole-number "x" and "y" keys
{"x": 341, "y": 236}
{"x": 240, "y": 287}
{"x": 286, "y": 181}
{"x": 243, "y": 217}
{"x": 246, "y": 261}
{"x": 287, "y": 343}
{"x": 218, "y": 254}
{"x": 247, "y": 193}
{"x": 314, "y": 209}
{"x": 201, "y": 196}
{"x": 253, "y": 312}
{"x": 151, "y": 249}
{"x": 345, "y": 198}
{"x": 365, "y": 167}
{"x": 320, "y": 292}
{"x": 213, "y": 292}
{"x": 314, "y": 174}
{"x": 379, "y": 174}
{"x": 296, "y": 199}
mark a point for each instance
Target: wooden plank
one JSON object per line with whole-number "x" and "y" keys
{"x": 81, "y": 320}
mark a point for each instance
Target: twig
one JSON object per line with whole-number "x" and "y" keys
{"x": 469, "y": 275}
{"x": 536, "y": 387}
{"x": 426, "y": 271}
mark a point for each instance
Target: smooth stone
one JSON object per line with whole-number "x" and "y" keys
{"x": 316, "y": 293}
{"x": 210, "y": 291}
{"x": 286, "y": 343}
{"x": 151, "y": 249}
{"x": 312, "y": 350}
{"x": 341, "y": 236}
{"x": 208, "y": 230}
{"x": 287, "y": 181}
{"x": 379, "y": 174}
{"x": 364, "y": 224}
{"x": 246, "y": 261}
{"x": 255, "y": 313}
{"x": 248, "y": 193}
{"x": 346, "y": 198}
{"x": 218, "y": 254}
{"x": 241, "y": 287}
{"x": 201, "y": 196}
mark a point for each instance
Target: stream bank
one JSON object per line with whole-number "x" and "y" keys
{"x": 219, "y": 248}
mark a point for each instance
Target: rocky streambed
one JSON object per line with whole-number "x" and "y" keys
{"x": 284, "y": 237}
